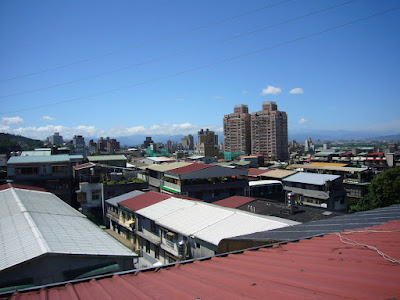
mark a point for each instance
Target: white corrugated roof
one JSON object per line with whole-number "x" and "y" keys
{"x": 208, "y": 222}
{"x": 311, "y": 178}
{"x": 164, "y": 208}
{"x": 239, "y": 223}
{"x": 33, "y": 223}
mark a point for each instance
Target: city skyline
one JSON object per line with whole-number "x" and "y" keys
{"x": 130, "y": 68}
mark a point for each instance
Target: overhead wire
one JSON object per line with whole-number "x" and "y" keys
{"x": 149, "y": 42}
{"x": 210, "y": 64}
{"x": 176, "y": 54}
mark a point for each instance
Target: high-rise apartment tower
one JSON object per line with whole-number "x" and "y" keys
{"x": 269, "y": 133}
{"x": 237, "y": 130}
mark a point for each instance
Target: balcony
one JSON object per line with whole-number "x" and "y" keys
{"x": 113, "y": 216}
{"x": 172, "y": 187}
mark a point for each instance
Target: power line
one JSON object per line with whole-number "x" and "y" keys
{"x": 149, "y": 42}
{"x": 208, "y": 65}
{"x": 175, "y": 54}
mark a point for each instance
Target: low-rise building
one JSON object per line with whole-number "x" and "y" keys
{"x": 110, "y": 160}
{"x": 321, "y": 190}
{"x": 52, "y": 172}
{"x": 44, "y": 240}
{"x": 205, "y": 182}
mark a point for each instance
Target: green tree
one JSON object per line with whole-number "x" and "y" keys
{"x": 384, "y": 190}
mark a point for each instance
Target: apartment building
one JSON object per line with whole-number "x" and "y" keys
{"x": 269, "y": 133}
{"x": 207, "y": 143}
{"x": 237, "y": 130}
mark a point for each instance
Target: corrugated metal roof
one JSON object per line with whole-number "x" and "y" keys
{"x": 143, "y": 200}
{"x": 106, "y": 157}
{"x": 211, "y": 222}
{"x": 167, "y": 167}
{"x": 233, "y": 202}
{"x": 263, "y": 182}
{"x": 256, "y": 172}
{"x": 84, "y": 166}
{"x": 311, "y": 178}
{"x": 164, "y": 208}
{"x": 330, "y": 168}
{"x": 323, "y": 164}
{"x": 325, "y": 267}
{"x": 33, "y": 223}
{"x": 20, "y": 186}
{"x": 278, "y": 173}
{"x": 39, "y": 159}
{"x": 190, "y": 168}
{"x": 114, "y": 201}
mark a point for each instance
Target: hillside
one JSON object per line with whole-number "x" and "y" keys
{"x": 11, "y": 142}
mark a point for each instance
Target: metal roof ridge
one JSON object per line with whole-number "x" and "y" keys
{"x": 32, "y": 225}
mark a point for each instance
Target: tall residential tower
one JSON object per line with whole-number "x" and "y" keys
{"x": 237, "y": 130}
{"x": 269, "y": 133}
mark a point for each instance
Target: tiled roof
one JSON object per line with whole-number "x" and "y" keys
{"x": 329, "y": 267}
{"x": 233, "y": 202}
{"x": 190, "y": 168}
{"x": 144, "y": 200}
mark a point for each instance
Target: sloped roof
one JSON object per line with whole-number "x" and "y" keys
{"x": 39, "y": 159}
{"x": 84, "y": 166}
{"x": 256, "y": 172}
{"x": 114, "y": 201}
{"x": 233, "y": 202}
{"x": 33, "y": 223}
{"x": 327, "y": 267}
{"x": 20, "y": 186}
{"x": 190, "y": 168}
{"x": 141, "y": 201}
{"x": 167, "y": 167}
{"x": 323, "y": 164}
{"x": 106, "y": 157}
{"x": 311, "y": 178}
{"x": 279, "y": 174}
{"x": 208, "y": 222}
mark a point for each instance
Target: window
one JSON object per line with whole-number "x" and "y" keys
{"x": 157, "y": 252}
{"x": 96, "y": 195}
{"x": 152, "y": 226}
{"x": 26, "y": 170}
{"x": 169, "y": 236}
{"x": 147, "y": 247}
{"x": 197, "y": 245}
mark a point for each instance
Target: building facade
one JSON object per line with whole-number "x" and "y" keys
{"x": 207, "y": 143}
{"x": 269, "y": 134}
{"x": 237, "y": 130}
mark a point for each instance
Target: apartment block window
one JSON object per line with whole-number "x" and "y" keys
{"x": 96, "y": 195}
{"x": 152, "y": 226}
{"x": 157, "y": 252}
{"x": 147, "y": 247}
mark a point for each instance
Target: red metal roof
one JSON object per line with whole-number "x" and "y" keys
{"x": 233, "y": 202}
{"x": 150, "y": 198}
{"x": 189, "y": 168}
{"x": 144, "y": 200}
{"x": 328, "y": 267}
{"x": 256, "y": 172}
{"x": 83, "y": 166}
{"x": 376, "y": 154}
{"x": 19, "y": 186}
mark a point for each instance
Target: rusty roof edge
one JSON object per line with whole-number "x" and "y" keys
{"x": 158, "y": 268}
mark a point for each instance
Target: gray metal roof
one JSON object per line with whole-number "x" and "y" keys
{"x": 311, "y": 178}
{"x": 114, "y": 201}
{"x": 106, "y": 157}
{"x": 335, "y": 224}
{"x": 39, "y": 159}
{"x": 33, "y": 223}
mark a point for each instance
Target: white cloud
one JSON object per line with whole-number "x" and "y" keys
{"x": 297, "y": 91}
{"x": 90, "y": 131}
{"x": 271, "y": 90}
{"x": 48, "y": 118}
{"x": 12, "y": 120}
{"x": 302, "y": 121}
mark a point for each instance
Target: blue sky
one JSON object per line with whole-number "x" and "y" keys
{"x": 119, "y": 68}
